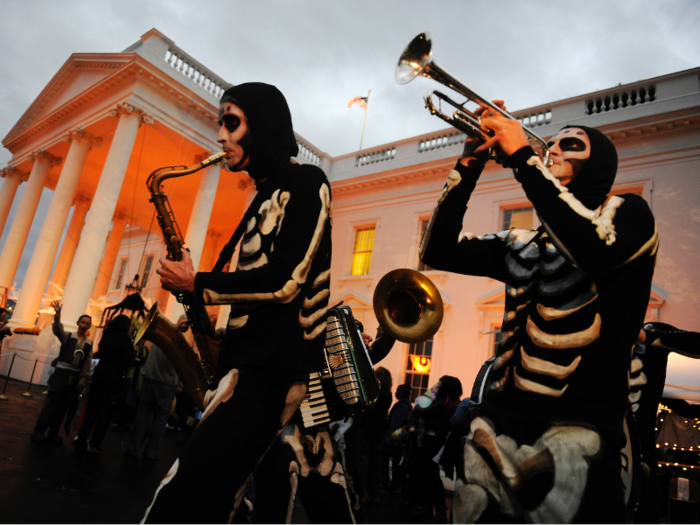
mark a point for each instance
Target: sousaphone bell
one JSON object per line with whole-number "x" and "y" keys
{"x": 408, "y": 306}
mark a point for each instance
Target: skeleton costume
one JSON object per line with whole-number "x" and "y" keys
{"x": 648, "y": 377}
{"x": 275, "y": 333}
{"x": 545, "y": 444}
{"x": 308, "y": 463}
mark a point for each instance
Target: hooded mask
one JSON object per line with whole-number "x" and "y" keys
{"x": 270, "y": 126}
{"x": 597, "y": 174}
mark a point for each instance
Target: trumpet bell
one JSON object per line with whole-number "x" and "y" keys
{"x": 408, "y": 306}
{"x": 415, "y": 57}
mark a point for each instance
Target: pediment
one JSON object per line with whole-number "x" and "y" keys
{"x": 354, "y": 301}
{"x": 492, "y": 300}
{"x": 80, "y": 75}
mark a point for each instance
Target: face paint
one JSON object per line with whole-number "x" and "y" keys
{"x": 234, "y": 136}
{"x": 569, "y": 149}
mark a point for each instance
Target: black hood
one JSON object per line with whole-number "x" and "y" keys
{"x": 270, "y": 125}
{"x": 593, "y": 183}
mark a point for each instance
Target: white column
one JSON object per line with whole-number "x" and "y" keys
{"x": 70, "y": 243}
{"x": 209, "y": 253}
{"x": 104, "y": 274}
{"x": 39, "y": 269}
{"x": 86, "y": 263}
{"x": 17, "y": 236}
{"x": 13, "y": 177}
{"x": 197, "y": 227}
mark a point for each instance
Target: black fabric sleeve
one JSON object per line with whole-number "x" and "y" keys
{"x": 596, "y": 241}
{"x": 445, "y": 248}
{"x": 381, "y": 346}
{"x": 671, "y": 339}
{"x": 302, "y": 223}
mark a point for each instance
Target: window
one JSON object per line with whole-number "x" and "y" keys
{"x": 362, "y": 252}
{"x": 146, "y": 271}
{"x": 120, "y": 274}
{"x": 422, "y": 267}
{"x": 418, "y": 367}
{"x": 519, "y": 218}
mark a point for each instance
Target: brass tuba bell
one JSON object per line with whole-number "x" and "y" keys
{"x": 408, "y": 306}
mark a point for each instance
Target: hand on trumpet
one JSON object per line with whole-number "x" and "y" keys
{"x": 508, "y": 135}
{"x": 469, "y": 156}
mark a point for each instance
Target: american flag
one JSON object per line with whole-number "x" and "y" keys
{"x": 360, "y": 101}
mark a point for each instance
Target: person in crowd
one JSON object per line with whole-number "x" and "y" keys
{"x": 127, "y": 405}
{"x": 72, "y": 374}
{"x": 160, "y": 381}
{"x": 433, "y": 425}
{"x": 372, "y": 430}
{"x": 545, "y": 443}
{"x": 393, "y": 445}
{"x": 278, "y": 295}
{"x": 116, "y": 354}
{"x": 4, "y": 329}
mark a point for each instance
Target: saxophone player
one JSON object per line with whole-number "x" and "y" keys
{"x": 278, "y": 296}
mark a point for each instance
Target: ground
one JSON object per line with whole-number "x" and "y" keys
{"x": 57, "y": 484}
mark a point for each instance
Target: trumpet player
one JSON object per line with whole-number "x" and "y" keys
{"x": 545, "y": 444}
{"x": 278, "y": 296}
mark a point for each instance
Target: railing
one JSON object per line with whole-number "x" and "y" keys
{"x": 307, "y": 153}
{"x": 197, "y": 73}
{"x": 440, "y": 141}
{"x": 375, "y": 156}
{"x": 540, "y": 118}
{"x": 628, "y": 97}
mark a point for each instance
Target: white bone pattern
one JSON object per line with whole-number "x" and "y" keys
{"x": 562, "y": 296}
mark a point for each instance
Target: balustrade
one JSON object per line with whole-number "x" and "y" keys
{"x": 193, "y": 70}
{"x": 539, "y": 118}
{"x": 626, "y": 98}
{"x": 309, "y": 154}
{"x": 375, "y": 156}
{"x": 440, "y": 141}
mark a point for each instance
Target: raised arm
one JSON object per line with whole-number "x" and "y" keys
{"x": 444, "y": 246}
{"x": 595, "y": 234}
{"x": 57, "y": 326}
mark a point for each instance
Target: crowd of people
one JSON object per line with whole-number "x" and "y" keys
{"x": 90, "y": 397}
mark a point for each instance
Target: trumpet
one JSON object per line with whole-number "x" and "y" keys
{"x": 417, "y": 59}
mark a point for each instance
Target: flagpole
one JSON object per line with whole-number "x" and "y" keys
{"x": 365, "y": 120}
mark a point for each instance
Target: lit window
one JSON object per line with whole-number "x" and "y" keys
{"x": 120, "y": 275}
{"x": 146, "y": 271}
{"x": 518, "y": 218}
{"x": 422, "y": 267}
{"x": 418, "y": 366}
{"x": 362, "y": 253}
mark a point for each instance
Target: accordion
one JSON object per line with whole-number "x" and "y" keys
{"x": 346, "y": 380}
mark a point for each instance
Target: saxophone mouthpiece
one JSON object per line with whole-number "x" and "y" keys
{"x": 214, "y": 159}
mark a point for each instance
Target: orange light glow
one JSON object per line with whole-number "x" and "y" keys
{"x": 420, "y": 364}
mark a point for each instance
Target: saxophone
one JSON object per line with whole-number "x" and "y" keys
{"x": 195, "y": 373}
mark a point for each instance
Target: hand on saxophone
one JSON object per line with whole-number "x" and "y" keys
{"x": 508, "y": 137}
{"x": 177, "y": 276}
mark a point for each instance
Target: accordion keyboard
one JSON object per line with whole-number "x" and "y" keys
{"x": 341, "y": 362}
{"x": 314, "y": 409}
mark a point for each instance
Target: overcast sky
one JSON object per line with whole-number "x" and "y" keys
{"x": 321, "y": 53}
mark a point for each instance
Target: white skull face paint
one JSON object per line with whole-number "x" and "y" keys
{"x": 568, "y": 149}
